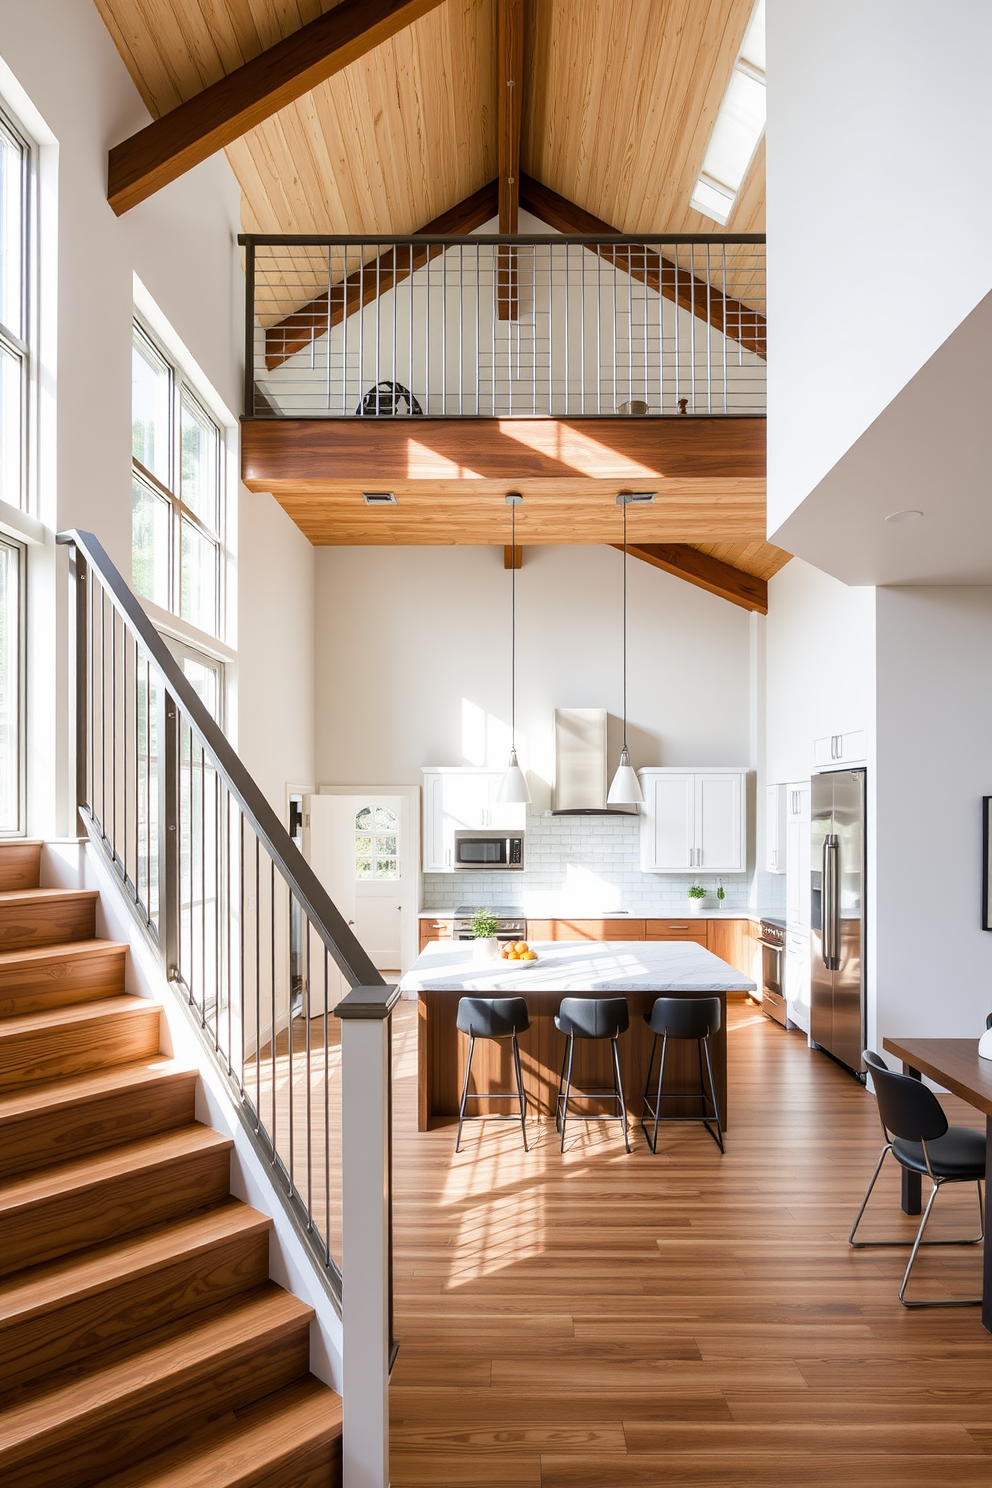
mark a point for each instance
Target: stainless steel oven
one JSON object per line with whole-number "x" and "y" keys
{"x": 489, "y": 850}
{"x": 511, "y": 922}
{"x": 771, "y": 938}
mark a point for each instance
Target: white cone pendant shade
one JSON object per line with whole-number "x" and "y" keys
{"x": 513, "y": 786}
{"x": 626, "y": 788}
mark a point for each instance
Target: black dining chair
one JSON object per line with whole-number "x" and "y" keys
{"x": 591, "y": 1018}
{"x": 683, "y": 1018}
{"x": 493, "y": 1018}
{"x": 919, "y": 1138}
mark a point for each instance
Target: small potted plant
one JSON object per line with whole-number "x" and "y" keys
{"x": 697, "y": 897}
{"x": 485, "y": 946}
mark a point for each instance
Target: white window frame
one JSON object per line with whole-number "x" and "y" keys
{"x": 21, "y": 346}
{"x": 7, "y": 833}
{"x": 374, "y": 833}
{"x": 180, "y": 385}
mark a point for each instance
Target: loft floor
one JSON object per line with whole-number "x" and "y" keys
{"x": 599, "y": 1321}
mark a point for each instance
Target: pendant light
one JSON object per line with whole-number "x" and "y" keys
{"x": 513, "y": 786}
{"x": 626, "y": 788}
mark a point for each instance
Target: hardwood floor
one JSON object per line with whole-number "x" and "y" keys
{"x": 598, "y": 1321}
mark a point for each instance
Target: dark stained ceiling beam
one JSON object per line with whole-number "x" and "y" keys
{"x": 712, "y": 574}
{"x": 295, "y": 332}
{"x": 683, "y": 288}
{"x": 195, "y": 130}
{"x": 510, "y": 55}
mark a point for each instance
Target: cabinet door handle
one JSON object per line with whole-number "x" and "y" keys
{"x": 447, "y": 857}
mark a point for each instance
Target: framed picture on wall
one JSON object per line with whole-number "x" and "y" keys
{"x": 987, "y": 862}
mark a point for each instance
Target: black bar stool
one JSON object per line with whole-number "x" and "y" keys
{"x": 591, "y": 1018}
{"x": 493, "y": 1018}
{"x": 683, "y": 1018}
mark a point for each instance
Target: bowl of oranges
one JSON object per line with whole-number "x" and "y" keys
{"x": 519, "y": 952}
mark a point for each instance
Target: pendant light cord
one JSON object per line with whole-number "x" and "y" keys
{"x": 513, "y": 627}
{"x": 625, "y": 624}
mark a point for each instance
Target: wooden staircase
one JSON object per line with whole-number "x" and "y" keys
{"x": 142, "y": 1344}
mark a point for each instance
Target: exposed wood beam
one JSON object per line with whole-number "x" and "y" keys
{"x": 510, "y": 52}
{"x": 704, "y": 300}
{"x": 513, "y": 557}
{"x": 708, "y": 573}
{"x": 364, "y": 285}
{"x": 195, "y": 130}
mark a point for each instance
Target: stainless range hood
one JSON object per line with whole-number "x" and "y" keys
{"x": 580, "y": 764}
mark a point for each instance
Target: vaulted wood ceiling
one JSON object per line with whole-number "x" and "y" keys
{"x": 619, "y": 100}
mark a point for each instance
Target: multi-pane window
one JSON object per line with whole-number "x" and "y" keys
{"x": 177, "y": 505}
{"x": 376, "y": 843}
{"x": 11, "y": 687}
{"x": 15, "y": 162}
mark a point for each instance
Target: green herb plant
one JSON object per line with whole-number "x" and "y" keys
{"x": 484, "y": 924}
{"x": 721, "y": 893}
{"x": 697, "y": 892}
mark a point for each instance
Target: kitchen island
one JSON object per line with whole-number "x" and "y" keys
{"x": 639, "y": 970}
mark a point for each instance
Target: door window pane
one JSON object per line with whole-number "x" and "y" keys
{"x": 199, "y": 579}
{"x": 150, "y": 545}
{"x": 151, "y": 400}
{"x": 11, "y": 425}
{"x": 200, "y": 463}
{"x": 13, "y": 168}
{"x": 10, "y": 688}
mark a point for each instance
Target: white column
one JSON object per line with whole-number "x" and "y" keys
{"x": 366, "y": 1232}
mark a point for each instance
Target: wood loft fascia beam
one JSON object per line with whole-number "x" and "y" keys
{"x": 295, "y": 332}
{"x": 510, "y": 52}
{"x": 195, "y": 130}
{"x": 704, "y": 300}
{"x": 712, "y": 574}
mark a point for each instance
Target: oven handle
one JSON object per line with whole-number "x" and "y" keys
{"x": 772, "y": 945}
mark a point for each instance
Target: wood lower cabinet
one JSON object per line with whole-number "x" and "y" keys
{"x": 438, "y": 928}
{"x": 620, "y": 928}
{"x": 734, "y": 942}
{"x": 679, "y": 929}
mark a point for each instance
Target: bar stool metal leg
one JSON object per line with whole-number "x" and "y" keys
{"x": 568, "y": 1086}
{"x": 718, "y": 1134}
{"x": 520, "y": 1092}
{"x": 652, "y": 1138}
{"x": 461, "y": 1108}
{"x": 618, "y": 1087}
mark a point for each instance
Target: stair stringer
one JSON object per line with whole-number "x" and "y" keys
{"x": 76, "y": 863}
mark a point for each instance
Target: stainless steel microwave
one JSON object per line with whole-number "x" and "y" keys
{"x": 489, "y": 850}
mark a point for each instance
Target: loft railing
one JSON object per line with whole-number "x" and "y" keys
{"x": 497, "y": 326}
{"x": 215, "y": 881}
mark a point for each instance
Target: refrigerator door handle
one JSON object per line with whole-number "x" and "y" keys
{"x": 831, "y": 927}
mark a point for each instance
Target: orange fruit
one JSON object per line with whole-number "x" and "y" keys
{"x": 513, "y": 955}
{"x": 529, "y": 956}
{"x": 519, "y": 945}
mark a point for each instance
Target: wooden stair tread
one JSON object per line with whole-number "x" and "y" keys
{"x": 244, "y": 1450}
{"x": 99, "y": 1167}
{"x": 40, "y": 955}
{"x": 45, "y": 896}
{"x": 74, "y": 1090}
{"x": 46, "y": 1287}
{"x": 78, "y": 1013}
{"x": 137, "y": 1377}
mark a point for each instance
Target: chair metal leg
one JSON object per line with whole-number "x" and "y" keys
{"x": 461, "y": 1108}
{"x": 520, "y": 1092}
{"x": 561, "y": 1084}
{"x": 645, "y": 1107}
{"x": 618, "y": 1086}
{"x": 917, "y": 1242}
{"x": 963, "y": 1302}
{"x": 568, "y": 1086}
{"x": 718, "y": 1134}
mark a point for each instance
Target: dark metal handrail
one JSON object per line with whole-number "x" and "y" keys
{"x": 502, "y": 240}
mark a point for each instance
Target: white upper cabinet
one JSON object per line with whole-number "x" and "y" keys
{"x": 797, "y": 861}
{"x": 775, "y": 828}
{"x": 841, "y": 749}
{"x": 457, "y": 800}
{"x": 693, "y": 820}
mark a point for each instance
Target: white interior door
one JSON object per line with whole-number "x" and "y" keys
{"x": 364, "y": 848}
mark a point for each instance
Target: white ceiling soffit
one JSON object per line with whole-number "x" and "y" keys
{"x": 930, "y": 450}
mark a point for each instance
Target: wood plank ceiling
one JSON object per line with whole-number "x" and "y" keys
{"x": 619, "y": 101}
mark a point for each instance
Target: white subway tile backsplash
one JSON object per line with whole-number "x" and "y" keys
{"x": 577, "y": 864}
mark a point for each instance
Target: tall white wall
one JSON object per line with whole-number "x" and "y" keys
{"x": 60, "y": 71}
{"x": 413, "y": 661}
{"x": 878, "y": 141}
{"x": 934, "y": 764}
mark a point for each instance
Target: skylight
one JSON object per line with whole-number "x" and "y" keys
{"x": 738, "y": 128}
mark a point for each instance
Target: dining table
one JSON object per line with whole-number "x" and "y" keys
{"x": 955, "y": 1065}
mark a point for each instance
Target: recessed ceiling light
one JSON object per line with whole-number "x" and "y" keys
{"x": 903, "y": 516}
{"x": 379, "y": 498}
{"x": 635, "y": 498}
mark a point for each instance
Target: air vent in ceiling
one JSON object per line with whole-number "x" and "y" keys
{"x": 379, "y": 498}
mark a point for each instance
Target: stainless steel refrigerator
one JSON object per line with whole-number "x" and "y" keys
{"x": 837, "y": 880}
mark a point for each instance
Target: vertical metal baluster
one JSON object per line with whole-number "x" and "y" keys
{"x": 566, "y": 316}
{"x": 477, "y": 349}
{"x": 582, "y": 335}
{"x": 203, "y": 882}
{"x": 675, "y": 261}
{"x": 272, "y": 983}
{"x": 148, "y": 800}
{"x": 709, "y": 334}
{"x": 723, "y": 273}
{"x": 306, "y": 1014}
{"x": 692, "y": 320}
{"x": 461, "y": 333}
{"x": 103, "y": 716}
{"x": 361, "y": 326}
{"x": 613, "y": 338}
{"x": 290, "y": 1056}
{"x": 427, "y": 336}
{"x": 242, "y": 990}
{"x": 599, "y": 332}
{"x": 327, "y": 1124}
{"x": 492, "y": 311}
{"x": 444, "y": 330}
{"x": 394, "y": 251}
{"x": 258, "y": 997}
{"x": 344, "y": 323}
{"x": 378, "y": 310}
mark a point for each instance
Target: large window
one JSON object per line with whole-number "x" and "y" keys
{"x": 11, "y": 687}
{"x": 177, "y": 490}
{"x": 15, "y": 179}
{"x": 376, "y": 843}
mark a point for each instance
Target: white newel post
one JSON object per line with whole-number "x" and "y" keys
{"x": 366, "y": 1242}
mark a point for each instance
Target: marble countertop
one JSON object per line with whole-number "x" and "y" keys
{"x": 777, "y": 915}
{"x": 570, "y": 966}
